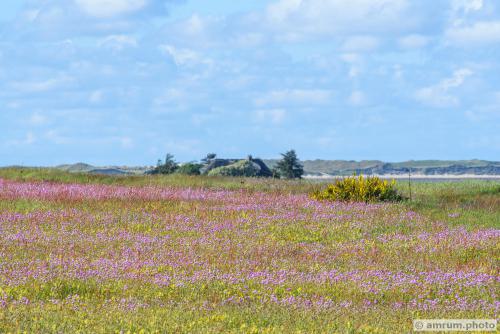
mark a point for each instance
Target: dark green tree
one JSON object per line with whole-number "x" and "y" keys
{"x": 289, "y": 167}
{"x": 170, "y": 165}
{"x": 167, "y": 167}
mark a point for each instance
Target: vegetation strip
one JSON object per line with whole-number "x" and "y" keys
{"x": 264, "y": 257}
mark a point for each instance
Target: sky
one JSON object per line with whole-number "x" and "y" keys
{"x": 123, "y": 82}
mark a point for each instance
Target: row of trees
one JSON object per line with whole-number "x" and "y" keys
{"x": 170, "y": 166}
{"x": 289, "y": 167}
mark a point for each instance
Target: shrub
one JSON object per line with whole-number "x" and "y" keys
{"x": 189, "y": 169}
{"x": 240, "y": 168}
{"x": 359, "y": 189}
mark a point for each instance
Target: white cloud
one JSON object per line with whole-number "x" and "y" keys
{"x": 184, "y": 57}
{"x": 275, "y": 116}
{"x": 202, "y": 118}
{"x": 357, "y": 98}
{"x": 351, "y": 58}
{"x": 126, "y": 142}
{"x": 37, "y": 119}
{"x": 30, "y": 14}
{"x": 484, "y": 32}
{"x": 439, "y": 95}
{"x": 171, "y": 95}
{"x": 488, "y": 110}
{"x": 249, "y": 40}
{"x": 58, "y": 19}
{"x": 435, "y": 98}
{"x": 197, "y": 31}
{"x": 96, "y": 97}
{"x": 413, "y": 41}
{"x": 29, "y": 139}
{"x": 195, "y": 25}
{"x": 42, "y": 85}
{"x": 355, "y": 62}
{"x": 463, "y": 12}
{"x": 483, "y": 113}
{"x": 172, "y": 100}
{"x": 56, "y": 138}
{"x": 294, "y": 96}
{"x": 186, "y": 146}
{"x": 13, "y": 105}
{"x": 360, "y": 43}
{"x": 110, "y": 8}
{"x": 457, "y": 79}
{"x": 118, "y": 42}
{"x": 304, "y": 17}
{"x": 398, "y": 71}
{"x": 466, "y": 6}
{"x": 281, "y": 10}
{"x": 47, "y": 16}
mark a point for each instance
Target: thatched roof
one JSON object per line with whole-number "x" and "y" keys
{"x": 215, "y": 163}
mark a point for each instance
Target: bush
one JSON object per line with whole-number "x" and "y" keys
{"x": 189, "y": 169}
{"x": 240, "y": 168}
{"x": 359, "y": 189}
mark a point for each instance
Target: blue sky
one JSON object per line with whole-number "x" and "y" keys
{"x": 125, "y": 81}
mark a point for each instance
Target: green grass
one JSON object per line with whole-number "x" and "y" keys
{"x": 173, "y": 180}
{"x": 476, "y": 201}
{"x": 473, "y": 202}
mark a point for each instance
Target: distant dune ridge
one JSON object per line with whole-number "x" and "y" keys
{"x": 416, "y": 167}
{"x": 329, "y": 168}
{"x": 81, "y": 167}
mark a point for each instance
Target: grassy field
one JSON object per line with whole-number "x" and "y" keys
{"x": 100, "y": 254}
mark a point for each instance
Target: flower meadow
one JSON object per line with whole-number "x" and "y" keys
{"x": 116, "y": 259}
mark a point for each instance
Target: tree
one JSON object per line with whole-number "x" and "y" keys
{"x": 167, "y": 167}
{"x": 170, "y": 165}
{"x": 209, "y": 157}
{"x": 289, "y": 167}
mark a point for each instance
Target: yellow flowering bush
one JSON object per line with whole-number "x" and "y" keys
{"x": 359, "y": 189}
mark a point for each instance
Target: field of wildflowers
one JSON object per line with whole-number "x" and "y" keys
{"x": 99, "y": 258}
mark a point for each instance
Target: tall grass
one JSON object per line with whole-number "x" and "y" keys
{"x": 473, "y": 202}
{"x": 172, "y": 180}
{"x": 105, "y": 254}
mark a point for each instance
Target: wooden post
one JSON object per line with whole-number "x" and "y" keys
{"x": 409, "y": 181}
